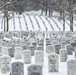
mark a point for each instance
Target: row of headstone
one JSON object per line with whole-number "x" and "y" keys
{"x": 17, "y": 68}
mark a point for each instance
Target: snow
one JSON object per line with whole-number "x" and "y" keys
{"x": 40, "y": 23}
{"x": 28, "y": 23}
{"x": 62, "y": 65}
{"x": 35, "y": 22}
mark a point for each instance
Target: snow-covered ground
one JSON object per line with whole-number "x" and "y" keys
{"x": 62, "y": 65}
{"x": 35, "y": 22}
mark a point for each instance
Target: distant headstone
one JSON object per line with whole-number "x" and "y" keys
{"x": 27, "y": 56}
{"x": 39, "y": 58}
{"x": 5, "y": 63}
{"x": 32, "y": 49}
{"x": 57, "y": 48}
{"x": 71, "y": 67}
{"x": 11, "y": 52}
{"x": 63, "y": 55}
{"x": 17, "y": 68}
{"x": 74, "y": 45}
{"x": 63, "y": 44}
{"x": 4, "y": 51}
{"x": 0, "y": 51}
{"x": 24, "y": 47}
{"x": 35, "y": 70}
{"x": 53, "y": 62}
{"x": 70, "y": 49}
{"x": 48, "y": 41}
{"x": 40, "y": 48}
{"x": 50, "y": 49}
{"x": 18, "y": 53}
{"x": 41, "y": 42}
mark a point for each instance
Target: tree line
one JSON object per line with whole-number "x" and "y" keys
{"x": 66, "y": 8}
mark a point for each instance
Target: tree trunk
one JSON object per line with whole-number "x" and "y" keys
{"x": 71, "y": 21}
{"x": 6, "y": 27}
{"x": 63, "y": 21}
{"x": 46, "y": 8}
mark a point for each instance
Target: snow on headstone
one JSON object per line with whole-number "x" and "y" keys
{"x": 71, "y": 67}
{"x": 32, "y": 49}
{"x": 17, "y": 68}
{"x": 50, "y": 49}
{"x": 57, "y": 48}
{"x": 4, "y": 51}
{"x": 18, "y": 53}
{"x": 63, "y": 55}
{"x": 63, "y": 44}
{"x": 27, "y": 56}
{"x": 39, "y": 58}
{"x": 5, "y": 64}
{"x": 53, "y": 62}
{"x": 35, "y": 70}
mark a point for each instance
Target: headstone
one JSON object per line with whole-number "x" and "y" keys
{"x": 25, "y": 47}
{"x": 11, "y": 52}
{"x": 39, "y": 57}
{"x": 71, "y": 67}
{"x": 32, "y": 49}
{"x": 27, "y": 56}
{"x": 5, "y": 63}
{"x": 55, "y": 41}
{"x": 48, "y": 41}
{"x": 50, "y": 49}
{"x": 57, "y": 48}
{"x": 35, "y": 70}
{"x": 74, "y": 45}
{"x": 63, "y": 55}
{"x": 32, "y": 40}
{"x": 53, "y": 62}
{"x": 63, "y": 44}
{"x": 75, "y": 53}
{"x": 0, "y": 51}
{"x": 17, "y": 68}
{"x": 40, "y": 48}
{"x": 4, "y": 51}
{"x": 70, "y": 49}
{"x": 41, "y": 42}
{"x": 18, "y": 53}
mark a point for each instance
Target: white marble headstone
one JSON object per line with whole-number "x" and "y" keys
{"x": 17, "y": 68}
{"x": 63, "y": 44}
{"x": 0, "y": 51}
{"x": 53, "y": 62}
{"x": 5, "y": 63}
{"x": 27, "y": 56}
{"x": 63, "y": 55}
{"x": 57, "y": 48}
{"x": 35, "y": 70}
{"x": 11, "y": 52}
{"x": 39, "y": 57}
{"x": 32, "y": 49}
{"x": 71, "y": 67}
{"x": 4, "y": 51}
{"x": 40, "y": 48}
{"x": 18, "y": 52}
{"x": 70, "y": 49}
{"x": 50, "y": 49}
